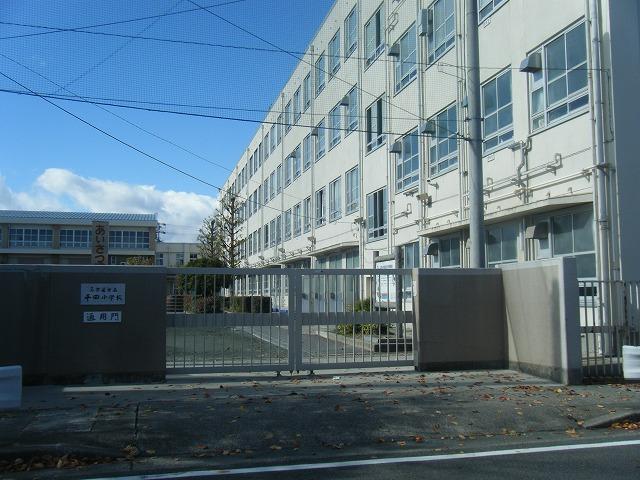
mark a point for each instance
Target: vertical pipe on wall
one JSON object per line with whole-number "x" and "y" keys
{"x": 597, "y": 117}
{"x": 476, "y": 194}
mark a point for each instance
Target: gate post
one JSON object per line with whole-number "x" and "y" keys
{"x": 294, "y": 321}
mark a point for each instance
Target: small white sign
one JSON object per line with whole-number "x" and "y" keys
{"x": 102, "y": 317}
{"x": 385, "y": 285}
{"x": 102, "y": 294}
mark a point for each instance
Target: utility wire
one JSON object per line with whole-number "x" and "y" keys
{"x": 118, "y": 22}
{"x": 219, "y": 117}
{"x": 301, "y": 59}
{"x": 148, "y": 155}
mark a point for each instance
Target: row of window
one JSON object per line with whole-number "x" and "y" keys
{"x": 74, "y": 238}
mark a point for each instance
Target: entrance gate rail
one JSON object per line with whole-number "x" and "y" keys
{"x": 274, "y": 319}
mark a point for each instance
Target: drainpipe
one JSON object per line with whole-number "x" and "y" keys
{"x": 600, "y": 189}
{"x": 525, "y": 148}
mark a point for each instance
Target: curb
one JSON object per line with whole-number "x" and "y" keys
{"x": 58, "y": 449}
{"x": 604, "y": 421}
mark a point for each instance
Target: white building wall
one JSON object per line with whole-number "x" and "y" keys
{"x": 552, "y": 173}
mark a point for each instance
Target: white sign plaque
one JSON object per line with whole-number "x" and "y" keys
{"x": 102, "y": 294}
{"x": 385, "y": 285}
{"x": 102, "y": 317}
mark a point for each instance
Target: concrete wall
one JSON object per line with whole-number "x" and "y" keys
{"x": 43, "y": 330}
{"x": 460, "y": 320}
{"x": 543, "y": 325}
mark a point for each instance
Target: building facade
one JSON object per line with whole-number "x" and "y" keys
{"x": 366, "y": 149}
{"x": 34, "y": 237}
{"x": 176, "y": 254}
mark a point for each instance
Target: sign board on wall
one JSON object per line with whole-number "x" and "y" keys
{"x": 100, "y": 243}
{"x": 102, "y": 317}
{"x": 102, "y": 294}
{"x": 385, "y": 285}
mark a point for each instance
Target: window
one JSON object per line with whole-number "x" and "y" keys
{"x": 351, "y": 33}
{"x": 321, "y": 207}
{"x": 411, "y": 255}
{"x": 497, "y": 112}
{"x": 295, "y": 157}
{"x": 375, "y": 126}
{"x": 287, "y": 117}
{"x": 448, "y": 252}
{"x": 374, "y": 37}
{"x": 265, "y": 230}
{"x": 128, "y": 239}
{"x": 272, "y": 185}
{"x": 279, "y": 179}
{"x": 335, "y": 199}
{"x": 486, "y": 7}
{"x": 258, "y": 239}
{"x": 266, "y": 146}
{"x": 443, "y": 147}
{"x": 408, "y": 162}
{"x": 334, "y": 54}
{"x": 287, "y": 170}
{"x": 179, "y": 259}
{"x": 307, "y": 214}
{"x": 279, "y": 230}
{"x": 335, "y": 117}
{"x": 160, "y": 259}
{"x": 279, "y": 130}
{"x": 260, "y": 154}
{"x": 352, "y": 110}
{"x": 193, "y": 256}
{"x": 287, "y": 224}
{"x": 273, "y": 138}
{"x": 296, "y": 106}
{"x": 75, "y": 238}
{"x": 307, "y": 147}
{"x": 406, "y": 62}
{"x": 561, "y": 88}
{"x": 572, "y": 235}
{"x": 31, "y": 237}
{"x": 306, "y": 90}
{"x": 297, "y": 220}
{"x": 265, "y": 192}
{"x": 502, "y": 244}
{"x": 377, "y": 214}
{"x": 352, "y": 190}
{"x": 442, "y": 34}
{"x": 321, "y": 143}
{"x": 320, "y": 69}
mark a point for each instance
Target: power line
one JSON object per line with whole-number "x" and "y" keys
{"x": 172, "y": 104}
{"x": 118, "y": 22}
{"x": 219, "y": 117}
{"x": 142, "y": 152}
{"x": 301, "y": 59}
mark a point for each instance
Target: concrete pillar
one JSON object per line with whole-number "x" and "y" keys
{"x": 56, "y": 237}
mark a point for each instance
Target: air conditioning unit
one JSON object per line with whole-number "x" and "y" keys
{"x": 394, "y": 50}
{"x": 396, "y": 147}
{"x": 532, "y": 64}
{"x": 345, "y": 101}
{"x": 429, "y": 128}
{"x": 426, "y": 23}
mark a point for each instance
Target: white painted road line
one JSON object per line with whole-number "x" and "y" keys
{"x": 374, "y": 461}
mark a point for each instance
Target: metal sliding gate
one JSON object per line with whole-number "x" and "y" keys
{"x": 249, "y": 320}
{"x": 609, "y": 319}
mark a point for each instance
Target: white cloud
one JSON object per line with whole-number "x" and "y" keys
{"x": 57, "y": 188}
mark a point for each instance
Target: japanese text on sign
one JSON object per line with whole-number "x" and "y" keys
{"x": 102, "y": 317}
{"x": 102, "y": 294}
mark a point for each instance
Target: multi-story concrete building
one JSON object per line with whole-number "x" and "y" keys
{"x": 170, "y": 254}
{"x": 366, "y": 147}
{"x": 67, "y": 237}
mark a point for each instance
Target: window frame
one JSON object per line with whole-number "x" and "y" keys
{"x": 321, "y": 141}
{"x": 320, "y": 202}
{"x": 372, "y": 56}
{"x": 308, "y": 154}
{"x": 350, "y": 45}
{"x": 334, "y": 55}
{"x": 440, "y": 141}
{"x": 406, "y": 79}
{"x": 335, "y": 199}
{"x": 321, "y": 80}
{"x": 449, "y": 238}
{"x": 435, "y": 52}
{"x": 335, "y": 126}
{"x": 307, "y": 207}
{"x": 505, "y": 134}
{"x": 376, "y": 231}
{"x": 539, "y": 82}
{"x": 408, "y": 180}
{"x": 371, "y": 143}
{"x": 352, "y": 190}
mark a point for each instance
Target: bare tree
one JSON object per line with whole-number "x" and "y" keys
{"x": 209, "y": 237}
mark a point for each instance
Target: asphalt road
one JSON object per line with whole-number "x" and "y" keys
{"x": 618, "y": 461}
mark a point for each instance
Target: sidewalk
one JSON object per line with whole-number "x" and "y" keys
{"x": 227, "y": 420}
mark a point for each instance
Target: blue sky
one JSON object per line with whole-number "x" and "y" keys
{"x": 50, "y": 160}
